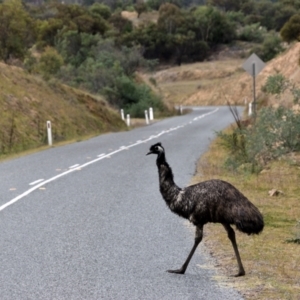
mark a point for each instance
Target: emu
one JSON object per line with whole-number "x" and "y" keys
{"x": 213, "y": 200}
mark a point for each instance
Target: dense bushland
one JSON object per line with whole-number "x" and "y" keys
{"x": 91, "y": 45}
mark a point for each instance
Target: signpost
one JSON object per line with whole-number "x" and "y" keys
{"x": 253, "y": 65}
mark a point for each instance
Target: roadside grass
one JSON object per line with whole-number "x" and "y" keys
{"x": 27, "y": 102}
{"x": 271, "y": 262}
{"x": 177, "y": 93}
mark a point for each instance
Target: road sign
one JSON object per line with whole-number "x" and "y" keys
{"x": 253, "y": 65}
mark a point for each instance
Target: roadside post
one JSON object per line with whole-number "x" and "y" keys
{"x": 49, "y": 133}
{"x": 151, "y": 117}
{"x": 122, "y": 114}
{"x": 128, "y": 120}
{"x": 146, "y": 117}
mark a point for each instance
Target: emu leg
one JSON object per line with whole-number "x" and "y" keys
{"x": 231, "y": 236}
{"x": 198, "y": 238}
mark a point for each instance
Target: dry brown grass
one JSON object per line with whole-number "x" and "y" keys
{"x": 272, "y": 264}
{"x": 216, "y": 82}
{"x": 203, "y": 83}
{"x": 27, "y": 102}
{"x": 151, "y": 16}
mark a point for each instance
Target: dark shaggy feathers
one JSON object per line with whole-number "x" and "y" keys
{"x": 214, "y": 201}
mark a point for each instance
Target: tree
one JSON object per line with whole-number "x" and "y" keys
{"x": 213, "y": 26}
{"x": 121, "y": 24}
{"x": 76, "y": 47}
{"x": 17, "y": 30}
{"x": 155, "y": 4}
{"x": 47, "y": 31}
{"x": 228, "y": 5}
{"x": 140, "y": 7}
{"x": 291, "y": 29}
{"x": 100, "y": 9}
{"x": 282, "y": 14}
{"x": 170, "y": 18}
{"x": 50, "y": 62}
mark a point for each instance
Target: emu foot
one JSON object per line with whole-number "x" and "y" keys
{"x": 179, "y": 271}
{"x": 240, "y": 273}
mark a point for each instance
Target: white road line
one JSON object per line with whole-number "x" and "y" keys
{"x": 100, "y": 155}
{"x": 74, "y": 166}
{"x": 37, "y": 186}
{"x": 35, "y": 182}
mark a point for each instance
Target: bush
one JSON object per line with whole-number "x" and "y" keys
{"x": 276, "y": 132}
{"x": 291, "y": 29}
{"x": 275, "y": 84}
{"x": 140, "y": 7}
{"x": 50, "y": 62}
{"x": 134, "y": 98}
{"x": 30, "y": 63}
{"x": 270, "y": 48}
{"x": 252, "y": 33}
{"x": 101, "y": 9}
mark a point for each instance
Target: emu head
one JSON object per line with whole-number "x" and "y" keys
{"x": 156, "y": 149}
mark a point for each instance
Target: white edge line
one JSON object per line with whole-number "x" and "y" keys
{"x": 74, "y": 166}
{"x": 14, "y": 200}
{"x": 35, "y": 182}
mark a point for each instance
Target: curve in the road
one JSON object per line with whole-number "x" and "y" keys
{"x": 102, "y": 156}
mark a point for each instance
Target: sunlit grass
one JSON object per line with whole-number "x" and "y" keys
{"x": 271, "y": 263}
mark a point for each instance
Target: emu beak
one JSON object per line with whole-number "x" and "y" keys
{"x": 149, "y": 153}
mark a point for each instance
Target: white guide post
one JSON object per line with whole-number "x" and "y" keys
{"x": 49, "y": 133}
{"x": 250, "y": 109}
{"x": 146, "y": 117}
{"x": 122, "y": 114}
{"x": 180, "y": 107}
{"x": 128, "y": 120}
{"x": 151, "y": 117}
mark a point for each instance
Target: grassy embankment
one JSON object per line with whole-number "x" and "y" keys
{"x": 271, "y": 262}
{"x": 27, "y": 102}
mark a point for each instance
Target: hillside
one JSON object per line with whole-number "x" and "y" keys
{"x": 216, "y": 82}
{"x": 27, "y": 102}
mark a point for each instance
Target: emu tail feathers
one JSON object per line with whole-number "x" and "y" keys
{"x": 251, "y": 222}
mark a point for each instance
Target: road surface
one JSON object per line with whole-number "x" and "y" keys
{"x": 87, "y": 221}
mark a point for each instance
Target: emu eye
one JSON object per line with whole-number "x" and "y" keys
{"x": 156, "y": 148}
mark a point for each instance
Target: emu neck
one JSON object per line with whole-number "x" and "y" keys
{"x": 168, "y": 188}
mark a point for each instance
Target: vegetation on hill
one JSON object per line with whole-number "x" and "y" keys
{"x": 92, "y": 46}
{"x": 27, "y": 102}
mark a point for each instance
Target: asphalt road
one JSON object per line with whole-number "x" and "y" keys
{"x": 87, "y": 221}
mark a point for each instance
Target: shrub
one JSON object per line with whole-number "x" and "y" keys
{"x": 50, "y": 62}
{"x": 276, "y": 132}
{"x": 271, "y": 46}
{"x": 290, "y": 31}
{"x": 252, "y": 33}
{"x": 101, "y": 9}
{"x": 30, "y": 63}
{"x": 140, "y": 7}
{"x": 276, "y": 84}
{"x": 133, "y": 97}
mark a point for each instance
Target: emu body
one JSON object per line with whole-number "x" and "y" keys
{"x": 214, "y": 201}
